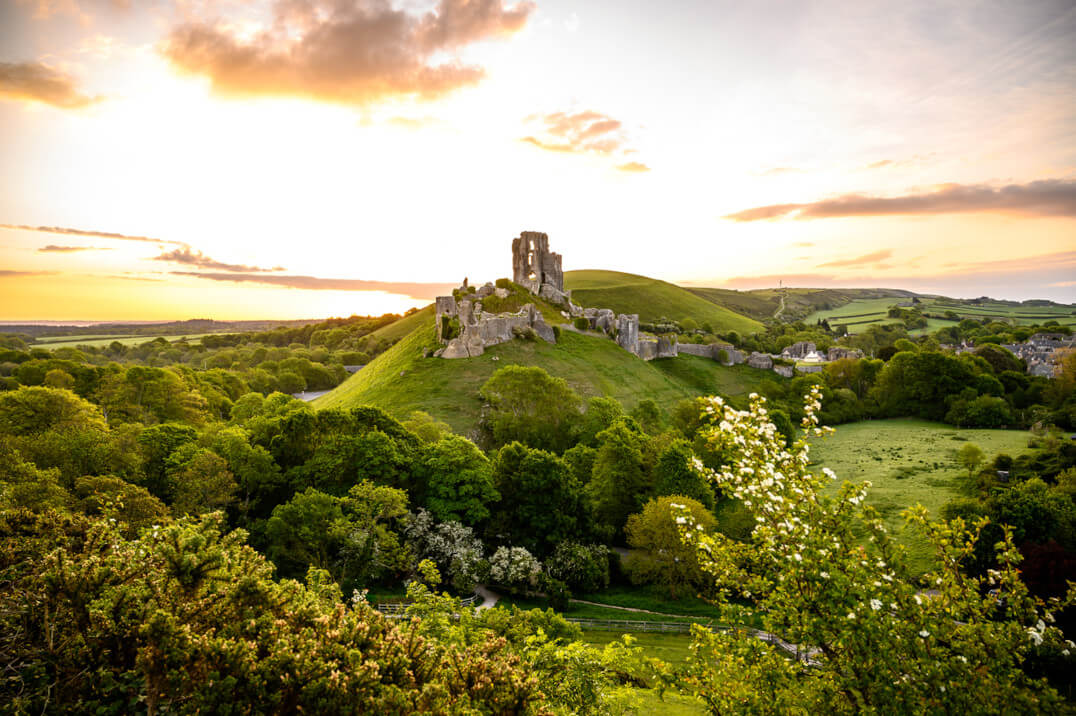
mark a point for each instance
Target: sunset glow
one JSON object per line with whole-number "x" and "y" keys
{"x": 299, "y": 159}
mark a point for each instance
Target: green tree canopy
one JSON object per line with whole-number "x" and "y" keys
{"x": 529, "y": 405}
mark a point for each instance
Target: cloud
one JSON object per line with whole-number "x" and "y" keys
{"x": 191, "y": 257}
{"x": 419, "y": 291}
{"x": 776, "y": 171}
{"x": 348, "y": 52}
{"x": 70, "y": 249}
{"x": 763, "y": 212}
{"x": 83, "y": 232}
{"x": 880, "y": 164}
{"x": 863, "y": 260}
{"x": 35, "y": 82}
{"x": 1047, "y": 197}
{"x": 8, "y": 273}
{"x": 583, "y": 132}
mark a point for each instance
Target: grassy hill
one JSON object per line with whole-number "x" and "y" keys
{"x": 401, "y": 380}
{"x": 652, "y": 299}
{"x": 793, "y": 304}
{"x": 405, "y": 326}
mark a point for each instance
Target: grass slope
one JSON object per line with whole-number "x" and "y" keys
{"x": 401, "y": 380}
{"x": 405, "y": 326}
{"x": 908, "y": 461}
{"x": 652, "y": 299}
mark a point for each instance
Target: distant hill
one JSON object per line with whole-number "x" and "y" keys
{"x": 798, "y": 303}
{"x": 401, "y": 380}
{"x": 652, "y": 300}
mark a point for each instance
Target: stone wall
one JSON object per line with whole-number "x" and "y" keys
{"x": 699, "y": 349}
{"x": 533, "y": 261}
{"x": 760, "y": 361}
{"x": 480, "y": 330}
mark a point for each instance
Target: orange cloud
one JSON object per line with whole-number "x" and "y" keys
{"x": 347, "y": 52}
{"x": 860, "y": 260}
{"x": 196, "y": 258}
{"x": 53, "y": 248}
{"x": 420, "y": 291}
{"x": 583, "y": 132}
{"x": 1047, "y": 197}
{"x": 36, "y": 82}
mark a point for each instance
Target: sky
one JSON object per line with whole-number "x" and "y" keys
{"x": 231, "y": 159}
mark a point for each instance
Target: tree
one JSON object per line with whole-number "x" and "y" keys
{"x": 970, "y": 456}
{"x": 529, "y": 405}
{"x": 658, "y": 554}
{"x": 878, "y": 645}
{"x": 583, "y": 567}
{"x": 187, "y": 618}
{"x": 200, "y": 482}
{"x": 648, "y": 415}
{"x": 619, "y": 484}
{"x": 675, "y": 476}
{"x": 540, "y": 498}
{"x": 459, "y": 482}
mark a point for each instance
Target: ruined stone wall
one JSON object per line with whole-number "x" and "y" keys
{"x": 533, "y": 262}
{"x": 698, "y": 349}
{"x": 480, "y": 330}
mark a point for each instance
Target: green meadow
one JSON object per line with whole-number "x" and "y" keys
{"x": 908, "y": 461}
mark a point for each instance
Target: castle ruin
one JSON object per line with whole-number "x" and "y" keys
{"x": 465, "y": 329}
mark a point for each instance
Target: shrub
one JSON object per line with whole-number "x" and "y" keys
{"x": 503, "y": 283}
{"x": 582, "y": 567}
{"x": 581, "y": 323}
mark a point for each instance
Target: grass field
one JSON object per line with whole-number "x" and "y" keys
{"x": 401, "y": 380}
{"x": 51, "y": 342}
{"x": 908, "y": 461}
{"x": 652, "y": 299}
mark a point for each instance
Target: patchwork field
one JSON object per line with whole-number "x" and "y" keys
{"x": 862, "y": 313}
{"x": 908, "y": 461}
{"x": 98, "y": 341}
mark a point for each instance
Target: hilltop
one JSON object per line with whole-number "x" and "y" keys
{"x": 653, "y": 300}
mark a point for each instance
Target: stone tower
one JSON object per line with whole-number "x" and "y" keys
{"x": 533, "y": 264}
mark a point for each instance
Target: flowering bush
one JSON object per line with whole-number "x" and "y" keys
{"x": 826, "y": 575}
{"x": 515, "y": 568}
{"x": 451, "y": 545}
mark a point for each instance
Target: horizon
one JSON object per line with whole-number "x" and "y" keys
{"x": 359, "y": 158}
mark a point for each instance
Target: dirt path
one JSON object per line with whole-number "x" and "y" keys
{"x": 489, "y": 597}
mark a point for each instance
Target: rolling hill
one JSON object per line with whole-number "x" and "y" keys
{"x": 652, "y": 300}
{"x": 401, "y": 380}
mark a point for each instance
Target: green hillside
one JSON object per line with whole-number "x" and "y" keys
{"x": 401, "y": 380}
{"x": 793, "y": 304}
{"x": 652, "y": 300}
{"x": 398, "y": 329}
